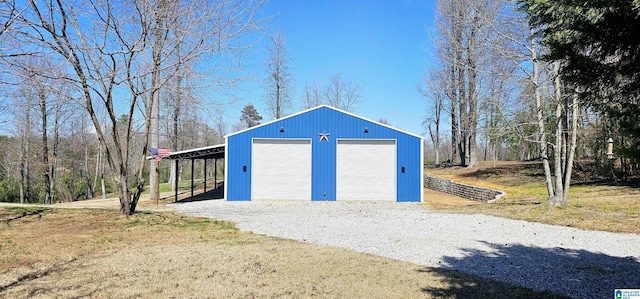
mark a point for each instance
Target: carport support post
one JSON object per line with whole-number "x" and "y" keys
{"x": 192, "y": 177}
{"x": 215, "y": 173}
{"x": 205, "y": 175}
{"x": 175, "y": 180}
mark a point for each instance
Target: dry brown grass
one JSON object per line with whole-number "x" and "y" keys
{"x": 592, "y": 206}
{"x": 64, "y": 253}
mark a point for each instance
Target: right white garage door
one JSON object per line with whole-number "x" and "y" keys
{"x": 366, "y": 169}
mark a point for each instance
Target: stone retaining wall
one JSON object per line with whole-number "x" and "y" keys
{"x": 462, "y": 190}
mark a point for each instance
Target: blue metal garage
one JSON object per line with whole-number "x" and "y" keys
{"x": 323, "y": 154}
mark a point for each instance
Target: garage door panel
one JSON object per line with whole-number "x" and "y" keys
{"x": 281, "y": 169}
{"x": 366, "y": 170}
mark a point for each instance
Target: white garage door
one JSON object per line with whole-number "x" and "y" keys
{"x": 281, "y": 169}
{"x": 366, "y": 169}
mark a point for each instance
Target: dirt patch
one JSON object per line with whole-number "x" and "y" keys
{"x": 112, "y": 203}
{"x": 97, "y": 253}
{"x": 439, "y": 199}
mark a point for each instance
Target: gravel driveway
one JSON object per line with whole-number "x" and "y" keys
{"x": 577, "y": 263}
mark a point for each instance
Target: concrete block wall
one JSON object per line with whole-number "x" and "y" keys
{"x": 462, "y": 190}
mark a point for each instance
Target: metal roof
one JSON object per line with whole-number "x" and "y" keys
{"x": 207, "y": 152}
{"x": 330, "y": 107}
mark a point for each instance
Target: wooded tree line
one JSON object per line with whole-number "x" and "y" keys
{"x": 528, "y": 79}
{"x": 513, "y": 80}
{"x": 86, "y": 80}
{"x": 108, "y": 65}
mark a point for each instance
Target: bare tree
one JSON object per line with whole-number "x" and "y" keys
{"x": 97, "y": 64}
{"x": 431, "y": 89}
{"x": 209, "y": 35}
{"x": 43, "y": 99}
{"x": 159, "y": 35}
{"x": 542, "y": 135}
{"x": 566, "y": 122}
{"x": 44, "y": 94}
{"x": 10, "y": 11}
{"x": 461, "y": 25}
{"x": 117, "y": 58}
{"x": 311, "y": 95}
{"x": 82, "y": 123}
{"x": 514, "y": 42}
{"x": 279, "y": 78}
{"x": 342, "y": 94}
{"x": 24, "y": 129}
{"x": 384, "y": 121}
{"x": 176, "y": 98}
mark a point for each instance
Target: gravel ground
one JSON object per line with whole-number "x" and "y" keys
{"x": 569, "y": 261}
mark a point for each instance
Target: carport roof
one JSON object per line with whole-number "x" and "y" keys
{"x": 207, "y": 152}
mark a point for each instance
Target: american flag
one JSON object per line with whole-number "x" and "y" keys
{"x": 159, "y": 153}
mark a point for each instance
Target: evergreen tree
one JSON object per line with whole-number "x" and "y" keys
{"x": 250, "y": 116}
{"x": 599, "y": 47}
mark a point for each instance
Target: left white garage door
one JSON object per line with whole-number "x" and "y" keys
{"x": 281, "y": 169}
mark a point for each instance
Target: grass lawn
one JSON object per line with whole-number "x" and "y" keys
{"x": 64, "y": 253}
{"x": 70, "y": 253}
{"x": 182, "y": 185}
{"x": 592, "y": 205}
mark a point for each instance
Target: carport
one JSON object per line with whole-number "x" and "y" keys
{"x": 213, "y": 152}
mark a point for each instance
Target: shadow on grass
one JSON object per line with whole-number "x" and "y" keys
{"x": 462, "y": 285}
{"x": 522, "y": 169}
{"x": 631, "y": 183}
{"x": 15, "y": 213}
{"x": 519, "y": 203}
{"x": 30, "y": 285}
{"x": 552, "y": 272}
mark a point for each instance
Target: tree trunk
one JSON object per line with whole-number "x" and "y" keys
{"x": 436, "y": 143}
{"x": 542, "y": 135}
{"x": 435, "y": 139}
{"x": 456, "y": 83}
{"x": 472, "y": 113}
{"x": 572, "y": 148}
{"x": 154, "y": 133}
{"x": 54, "y": 151}
{"x": 104, "y": 190}
{"x": 463, "y": 118}
{"x": 455, "y": 129}
{"x": 176, "y": 121}
{"x": 25, "y": 182}
{"x": 154, "y": 139}
{"x": 90, "y": 186}
{"x": 124, "y": 194}
{"x": 45, "y": 147}
{"x": 558, "y": 199}
{"x": 99, "y": 172}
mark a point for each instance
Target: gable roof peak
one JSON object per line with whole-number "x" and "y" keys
{"x": 320, "y": 107}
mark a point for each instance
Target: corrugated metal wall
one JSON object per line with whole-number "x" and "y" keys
{"x": 308, "y": 125}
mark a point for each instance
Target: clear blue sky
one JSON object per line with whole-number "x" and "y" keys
{"x": 382, "y": 45}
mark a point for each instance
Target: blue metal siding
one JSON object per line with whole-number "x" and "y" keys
{"x": 409, "y": 183}
{"x": 341, "y": 126}
{"x": 323, "y": 170}
{"x": 238, "y": 180}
